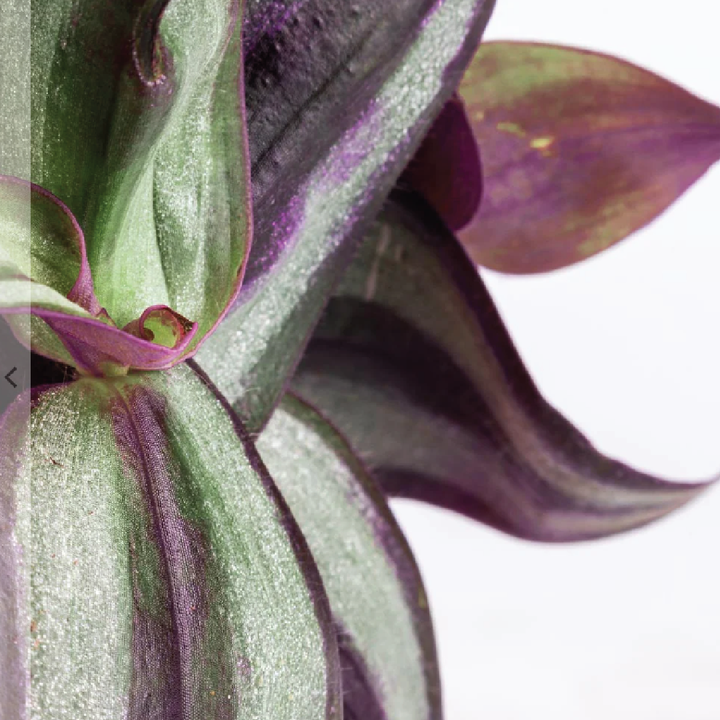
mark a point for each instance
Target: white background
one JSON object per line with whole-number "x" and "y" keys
{"x": 627, "y": 345}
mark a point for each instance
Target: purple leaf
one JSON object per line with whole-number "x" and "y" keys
{"x": 101, "y": 349}
{"x": 446, "y": 169}
{"x": 334, "y": 107}
{"x": 96, "y": 347}
{"x": 579, "y": 151}
{"x": 328, "y": 140}
{"x": 414, "y": 365}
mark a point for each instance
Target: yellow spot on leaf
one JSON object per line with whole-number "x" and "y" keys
{"x": 511, "y": 128}
{"x": 542, "y": 143}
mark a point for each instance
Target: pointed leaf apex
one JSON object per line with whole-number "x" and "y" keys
{"x": 579, "y": 150}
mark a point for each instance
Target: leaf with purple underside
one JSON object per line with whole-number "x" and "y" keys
{"x": 413, "y": 364}
{"x": 320, "y": 64}
{"x": 446, "y": 168}
{"x": 47, "y": 293}
{"x": 361, "y": 699}
{"x": 315, "y": 191}
{"x": 149, "y": 566}
{"x": 138, "y": 127}
{"x": 387, "y": 650}
{"x": 579, "y": 151}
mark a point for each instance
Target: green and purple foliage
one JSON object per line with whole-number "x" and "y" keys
{"x": 243, "y": 238}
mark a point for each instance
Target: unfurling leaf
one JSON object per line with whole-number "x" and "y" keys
{"x": 150, "y": 568}
{"x": 340, "y": 115}
{"x": 47, "y": 293}
{"x": 387, "y": 650}
{"x": 579, "y": 150}
{"x": 138, "y": 128}
{"x": 412, "y": 362}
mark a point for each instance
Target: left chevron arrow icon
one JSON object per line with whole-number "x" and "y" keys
{"x": 7, "y": 377}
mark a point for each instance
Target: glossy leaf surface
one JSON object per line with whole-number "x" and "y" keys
{"x": 329, "y": 98}
{"x": 47, "y": 292}
{"x": 149, "y": 567}
{"x": 387, "y": 649}
{"x": 316, "y": 190}
{"x": 579, "y": 150}
{"x": 138, "y": 128}
{"x": 413, "y": 364}
{"x": 41, "y": 242}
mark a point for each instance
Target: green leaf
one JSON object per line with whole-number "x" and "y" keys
{"x": 374, "y": 587}
{"x": 149, "y": 567}
{"x": 15, "y": 82}
{"x": 41, "y": 241}
{"x": 44, "y": 272}
{"x": 579, "y": 151}
{"x": 138, "y": 127}
{"x": 412, "y": 362}
{"x": 318, "y": 204}
{"x": 42, "y": 264}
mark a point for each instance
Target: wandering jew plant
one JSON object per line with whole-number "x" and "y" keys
{"x": 237, "y": 239}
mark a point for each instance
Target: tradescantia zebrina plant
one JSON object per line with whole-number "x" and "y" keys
{"x": 187, "y": 539}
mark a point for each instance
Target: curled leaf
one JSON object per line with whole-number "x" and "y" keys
{"x": 579, "y": 150}
{"x": 167, "y": 578}
{"x": 387, "y": 649}
{"x": 413, "y": 364}
{"x": 161, "y": 325}
{"x": 138, "y": 126}
{"x": 99, "y": 348}
{"x": 352, "y": 71}
{"x": 41, "y": 239}
{"x": 48, "y": 298}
